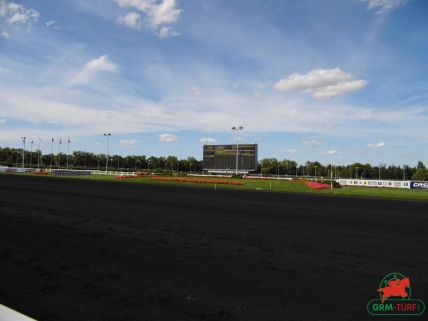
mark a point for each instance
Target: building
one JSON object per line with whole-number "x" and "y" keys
{"x": 222, "y": 158}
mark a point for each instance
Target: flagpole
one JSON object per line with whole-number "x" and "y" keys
{"x": 59, "y": 152}
{"x": 51, "y": 153}
{"x": 68, "y": 149}
{"x": 39, "y": 155}
{"x": 31, "y": 153}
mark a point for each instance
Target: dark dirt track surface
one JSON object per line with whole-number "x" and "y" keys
{"x": 90, "y": 250}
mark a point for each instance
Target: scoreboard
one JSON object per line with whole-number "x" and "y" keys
{"x": 223, "y": 158}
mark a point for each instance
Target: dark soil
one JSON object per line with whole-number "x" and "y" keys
{"x": 92, "y": 250}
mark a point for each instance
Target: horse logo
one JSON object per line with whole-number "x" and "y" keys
{"x": 395, "y": 297}
{"x": 395, "y": 288}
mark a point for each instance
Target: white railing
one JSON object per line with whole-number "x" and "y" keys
{"x": 113, "y": 173}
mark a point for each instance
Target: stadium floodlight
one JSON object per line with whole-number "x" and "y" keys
{"x": 237, "y": 129}
{"x": 108, "y": 143}
{"x": 23, "y": 151}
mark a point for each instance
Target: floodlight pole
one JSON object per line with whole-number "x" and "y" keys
{"x": 108, "y": 143}
{"x": 23, "y": 151}
{"x": 237, "y": 129}
{"x": 331, "y": 175}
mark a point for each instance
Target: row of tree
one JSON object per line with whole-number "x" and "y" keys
{"x": 267, "y": 166}
{"x": 87, "y": 160}
{"x": 272, "y": 166}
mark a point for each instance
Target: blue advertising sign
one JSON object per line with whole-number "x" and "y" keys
{"x": 421, "y": 185}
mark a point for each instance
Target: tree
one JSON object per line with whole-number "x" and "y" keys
{"x": 420, "y": 165}
{"x": 420, "y": 175}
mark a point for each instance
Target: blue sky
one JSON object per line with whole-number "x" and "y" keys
{"x": 336, "y": 80}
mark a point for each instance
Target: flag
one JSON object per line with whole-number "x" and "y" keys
{"x": 52, "y": 140}
{"x": 60, "y": 140}
{"x": 69, "y": 141}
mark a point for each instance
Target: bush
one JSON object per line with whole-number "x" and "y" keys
{"x": 420, "y": 175}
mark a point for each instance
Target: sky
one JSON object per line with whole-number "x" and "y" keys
{"x": 338, "y": 81}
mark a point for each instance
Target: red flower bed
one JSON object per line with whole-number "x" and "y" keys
{"x": 316, "y": 185}
{"x": 190, "y": 180}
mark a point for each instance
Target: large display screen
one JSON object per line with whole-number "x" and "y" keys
{"x": 223, "y": 157}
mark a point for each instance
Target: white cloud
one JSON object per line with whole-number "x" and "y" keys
{"x": 128, "y": 142}
{"x": 131, "y": 20}
{"x": 311, "y": 142}
{"x": 100, "y": 64}
{"x": 35, "y": 106}
{"x": 207, "y": 140}
{"x": 383, "y": 6}
{"x": 52, "y": 24}
{"x": 378, "y": 145}
{"x": 290, "y": 151}
{"x": 159, "y": 14}
{"x": 167, "y": 138}
{"x": 331, "y": 152}
{"x": 5, "y": 35}
{"x": 165, "y": 32}
{"x": 2, "y": 121}
{"x": 321, "y": 83}
{"x": 14, "y": 13}
{"x": 196, "y": 91}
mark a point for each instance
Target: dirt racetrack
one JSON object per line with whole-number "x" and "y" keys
{"x": 90, "y": 250}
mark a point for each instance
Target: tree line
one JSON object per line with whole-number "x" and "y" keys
{"x": 86, "y": 160}
{"x": 268, "y": 166}
{"x": 273, "y": 166}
